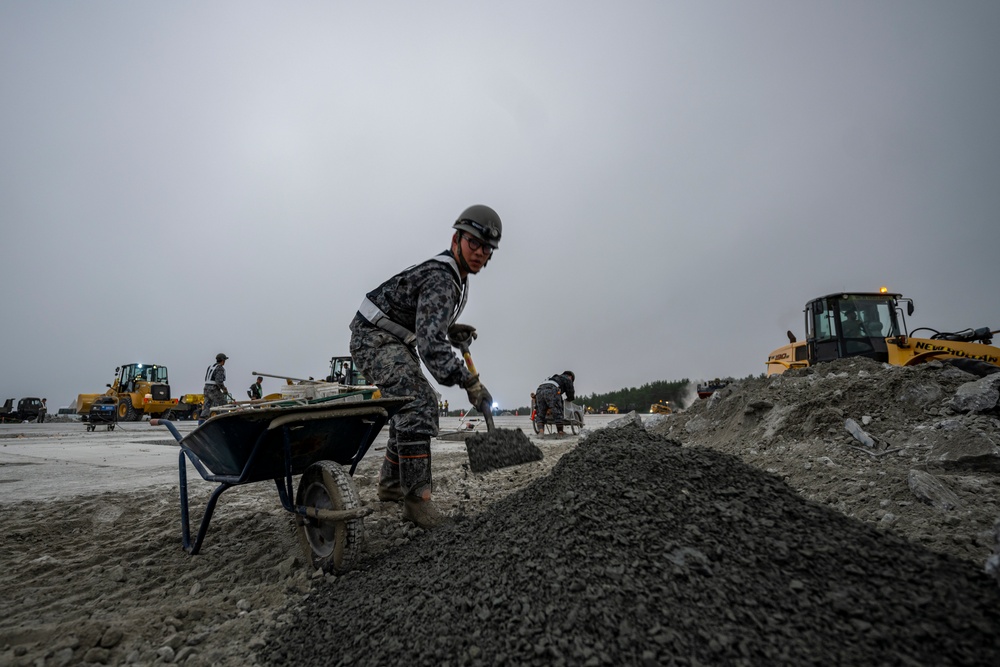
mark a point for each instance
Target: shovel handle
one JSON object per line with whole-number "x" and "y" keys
{"x": 487, "y": 411}
{"x": 485, "y": 408}
{"x": 468, "y": 359}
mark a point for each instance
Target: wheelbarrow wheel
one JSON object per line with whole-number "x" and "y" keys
{"x": 333, "y": 546}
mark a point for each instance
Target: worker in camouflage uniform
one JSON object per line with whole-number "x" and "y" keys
{"x": 412, "y": 317}
{"x": 215, "y": 386}
{"x": 256, "y": 390}
{"x": 549, "y": 399}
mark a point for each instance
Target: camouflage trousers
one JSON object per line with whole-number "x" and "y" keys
{"x": 394, "y": 368}
{"x": 547, "y": 397}
{"x": 213, "y": 397}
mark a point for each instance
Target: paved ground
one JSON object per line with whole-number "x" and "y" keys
{"x": 61, "y": 460}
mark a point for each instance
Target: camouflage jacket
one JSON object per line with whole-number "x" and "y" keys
{"x": 425, "y": 300}
{"x": 565, "y": 385}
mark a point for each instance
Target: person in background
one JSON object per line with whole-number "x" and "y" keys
{"x": 412, "y": 317}
{"x": 549, "y": 400}
{"x": 42, "y": 411}
{"x": 256, "y": 391}
{"x": 215, "y": 386}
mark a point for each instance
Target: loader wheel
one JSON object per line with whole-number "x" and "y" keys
{"x": 333, "y": 546}
{"x": 127, "y": 413}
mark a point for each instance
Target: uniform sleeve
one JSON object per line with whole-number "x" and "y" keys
{"x": 567, "y": 387}
{"x": 437, "y": 299}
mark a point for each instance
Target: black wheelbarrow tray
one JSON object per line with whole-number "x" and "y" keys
{"x": 318, "y": 439}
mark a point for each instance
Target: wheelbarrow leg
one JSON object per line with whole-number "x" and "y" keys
{"x": 185, "y": 526}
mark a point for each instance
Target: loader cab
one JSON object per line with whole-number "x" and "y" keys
{"x": 344, "y": 371}
{"x": 130, "y": 376}
{"x": 853, "y": 325}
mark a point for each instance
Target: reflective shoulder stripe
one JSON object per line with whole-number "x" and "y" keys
{"x": 552, "y": 382}
{"x": 374, "y": 314}
{"x": 447, "y": 259}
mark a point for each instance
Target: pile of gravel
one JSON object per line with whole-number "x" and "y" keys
{"x": 635, "y": 550}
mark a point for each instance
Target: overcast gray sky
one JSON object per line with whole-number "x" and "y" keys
{"x": 676, "y": 179}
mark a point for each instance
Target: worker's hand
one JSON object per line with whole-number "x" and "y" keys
{"x": 477, "y": 392}
{"x": 461, "y": 334}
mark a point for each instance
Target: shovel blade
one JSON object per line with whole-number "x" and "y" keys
{"x": 500, "y": 448}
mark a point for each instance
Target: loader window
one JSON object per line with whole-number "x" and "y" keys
{"x": 824, "y": 325}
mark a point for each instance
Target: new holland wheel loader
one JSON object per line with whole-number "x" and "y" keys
{"x": 139, "y": 389}
{"x": 872, "y": 324}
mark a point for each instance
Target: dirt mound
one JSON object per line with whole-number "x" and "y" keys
{"x": 636, "y": 550}
{"x": 796, "y": 426}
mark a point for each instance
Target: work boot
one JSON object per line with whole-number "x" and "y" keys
{"x": 418, "y": 508}
{"x": 415, "y": 476}
{"x": 389, "y": 487}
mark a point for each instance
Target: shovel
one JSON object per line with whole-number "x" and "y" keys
{"x": 498, "y": 447}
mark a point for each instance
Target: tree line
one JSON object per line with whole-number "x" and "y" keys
{"x": 634, "y": 398}
{"x": 640, "y": 398}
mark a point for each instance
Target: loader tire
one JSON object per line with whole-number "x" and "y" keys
{"x": 333, "y": 546}
{"x": 126, "y": 412}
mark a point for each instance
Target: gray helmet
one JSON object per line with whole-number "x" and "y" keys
{"x": 482, "y": 222}
{"x": 220, "y": 357}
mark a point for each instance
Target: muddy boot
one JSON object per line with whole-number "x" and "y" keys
{"x": 389, "y": 487}
{"x": 415, "y": 474}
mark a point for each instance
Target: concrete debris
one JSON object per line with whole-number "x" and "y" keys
{"x": 635, "y": 550}
{"x": 931, "y": 490}
{"x": 858, "y": 433}
{"x": 631, "y": 419}
{"x": 978, "y": 396}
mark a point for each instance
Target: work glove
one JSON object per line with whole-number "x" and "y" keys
{"x": 477, "y": 392}
{"x": 461, "y": 334}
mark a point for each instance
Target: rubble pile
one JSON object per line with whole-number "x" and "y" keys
{"x": 638, "y": 548}
{"x": 930, "y": 473}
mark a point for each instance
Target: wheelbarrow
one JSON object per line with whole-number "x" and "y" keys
{"x": 317, "y": 440}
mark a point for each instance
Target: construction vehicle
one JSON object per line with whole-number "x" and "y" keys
{"x": 344, "y": 378}
{"x": 873, "y": 325}
{"x": 27, "y": 410}
{"x": 138, "y": 389}
{"x": 706, "y": 389}
{"x": 188, "y": 407}
{"x": 661, "y": 407}
{"x": 344, "y": 371}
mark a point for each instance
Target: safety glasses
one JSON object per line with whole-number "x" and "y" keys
{"x": 475, "y": 244}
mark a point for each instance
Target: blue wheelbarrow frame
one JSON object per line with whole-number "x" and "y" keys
{"x": 277, "y": 443}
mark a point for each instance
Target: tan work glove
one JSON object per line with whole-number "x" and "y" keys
{"x": 477, "y": 392}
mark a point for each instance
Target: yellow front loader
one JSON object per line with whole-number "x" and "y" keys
{"x": 138, "y": 389}
{"x": 872, "y": 324}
